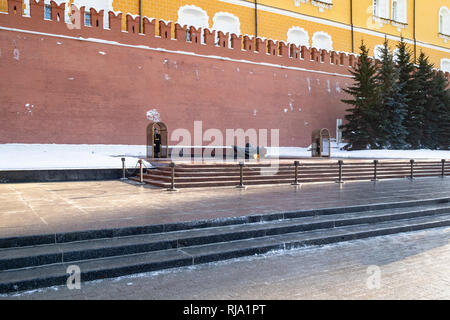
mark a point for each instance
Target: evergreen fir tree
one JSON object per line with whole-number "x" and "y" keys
{"x": 392, "y": 104}
{"x": 421, "y": 111}
{"x": 407, "y": 84}
{"x": 440, "y": 121}
{"x": 361, "y": 126}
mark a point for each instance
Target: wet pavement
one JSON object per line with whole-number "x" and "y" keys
{"x": 45, "y": 208}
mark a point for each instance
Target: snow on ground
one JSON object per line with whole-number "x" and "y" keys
{"x": 285, "y": 152}
{"x": 68, "y": 156}
{"x": 72, "y": 156}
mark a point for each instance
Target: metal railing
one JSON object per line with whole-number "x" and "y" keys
{"x": 319, "y": 171}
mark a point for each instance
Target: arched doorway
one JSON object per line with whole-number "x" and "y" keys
{"x": 161, "y": 129}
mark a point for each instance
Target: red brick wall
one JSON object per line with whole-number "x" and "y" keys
{"x": 62, "y": 90}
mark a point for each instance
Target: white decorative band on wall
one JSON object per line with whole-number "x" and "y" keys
{"x": 143, "y": 47}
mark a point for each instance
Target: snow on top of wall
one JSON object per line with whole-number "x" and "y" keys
{"x": 98, "y": 5}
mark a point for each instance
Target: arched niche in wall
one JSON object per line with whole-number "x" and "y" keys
{"x": 191, "y": 15}
{"x": 377, "y": 51}
{"x": 226, "y": 22}
{"x": 322, "y": 40}
{"x": 445, "y": 65}
{"x": 298, "y": 36}
{"x": 444, "y": 21}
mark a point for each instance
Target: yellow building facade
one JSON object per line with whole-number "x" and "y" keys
{"x": 339, "y": 25}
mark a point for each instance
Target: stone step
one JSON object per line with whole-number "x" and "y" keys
{"x": 23, "y": 257}
{"x": 203, "y": 182}
{"x": 428, "y": 195}
{"x": 55, "y": 274}
{"x": 193, "y": 175}
{"x": 326, "y": 163}
{"x": 281, "y": 167}
{"x": 285, "y": 174}
{"x": 281, "y": 171}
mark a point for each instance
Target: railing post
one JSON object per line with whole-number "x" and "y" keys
{"x": 124, "y": 174}
{"x": 412, "y": 169}
{"x": 241, "y": 176}
{"x": 443, "y": 168}
{"x": 141, "y": 172}
{"x": 296, "y": 183}
{"x": 375, "y": 164}
{"x": 172, "y": 177}
{"x": 340, "y": 163}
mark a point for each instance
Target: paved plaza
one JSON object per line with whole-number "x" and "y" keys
{"x": 403, "y": 266}
{"x": 46, "y": 208}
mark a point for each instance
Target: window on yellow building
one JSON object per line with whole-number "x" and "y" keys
{"x": 444, "y": 21}
{"x": 381, "y": 9}
{"x": 399, "y": 11}
{"x": 395, "y": 10}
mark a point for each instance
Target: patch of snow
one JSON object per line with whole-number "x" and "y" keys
{"x": 16, "y": 54}
{"x": 360, "y": 154}
{"x": 153, "y": 115}
{"x": 106, "y": 5}
{"x": 69, "y": 156}
{"x": 309, "y": 84}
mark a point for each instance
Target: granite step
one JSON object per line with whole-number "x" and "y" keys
{"x": 30, "y": 256}
{"x": 56, "y": 274}
{"x": 164, "y": 182}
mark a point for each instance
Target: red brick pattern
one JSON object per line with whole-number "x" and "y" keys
{"x": 63, "y": 90}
